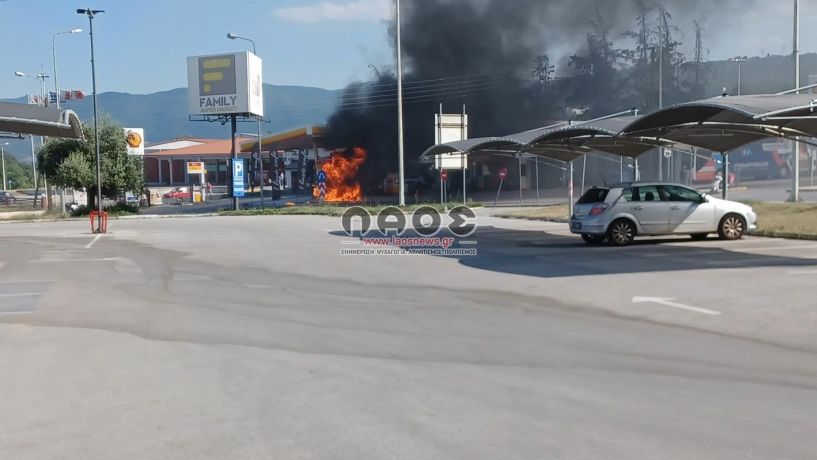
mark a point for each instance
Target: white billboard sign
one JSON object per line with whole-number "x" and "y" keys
{"x": 225, "y": 84}
{"x": 450, "y": 128}
{"x": 135, "y": 138}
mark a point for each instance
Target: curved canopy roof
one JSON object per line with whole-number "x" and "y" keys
{"x": 40, "y": 121}
{"x": 726, "y": 123}
{"x": 468, "y": 146}
{"x": 563, "y": 141}
{"x": 570, "y": 142}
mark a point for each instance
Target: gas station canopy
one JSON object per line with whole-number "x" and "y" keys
{"x": 40, "y": 121}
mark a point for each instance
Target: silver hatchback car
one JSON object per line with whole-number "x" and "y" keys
{"x": 620, "y": 212}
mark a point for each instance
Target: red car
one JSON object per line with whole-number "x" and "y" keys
{"x": 180, "y": 193}
{"x": 707, "y": 174}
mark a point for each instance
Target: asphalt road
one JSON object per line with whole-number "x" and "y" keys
{"x": 253, "y": 338}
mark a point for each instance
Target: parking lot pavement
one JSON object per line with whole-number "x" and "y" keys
{"x": 254, "y": 337}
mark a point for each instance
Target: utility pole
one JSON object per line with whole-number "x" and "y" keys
{"x": 54, "y": 57}
{"x": 400, "y": 111}
{"x": 660, "y": 80}
{"x": 739, "y": 60}
{"x": 91, "y": 14}
{"x": 795, "y": 173}
{"x": 3, "y": 156}
{"x": 260, "y": 162}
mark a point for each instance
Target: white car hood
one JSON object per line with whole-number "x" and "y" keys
{"x": 728, "y": 205}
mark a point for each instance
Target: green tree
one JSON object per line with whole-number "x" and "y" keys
{"x": 18, "y": 175}
{"x": 72, "y": 163}
{"x": 543, "y": 72}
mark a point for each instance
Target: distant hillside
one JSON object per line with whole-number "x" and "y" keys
{"x": 770, "y": 74}
{"x": 164, "y": 114}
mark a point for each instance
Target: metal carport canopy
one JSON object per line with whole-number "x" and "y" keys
{"x": 571, "y": 142}
{"x": 563, "y": 142}
{"x": 725, "y": 123}
{"x": 40, "y": 121}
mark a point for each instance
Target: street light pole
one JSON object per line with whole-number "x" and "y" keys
{"x": 661, "y": 82}
{"x": 400, "y": 109}
{"x": 795, "y": 173}
{"x": 3, "y": 156}
{"x": 41, "y": 77}
{"x": 91, "y": 14}
{"x": 739, "y": 60}
{"x": 233, "y": 36}
{"x": 54, "y": 58}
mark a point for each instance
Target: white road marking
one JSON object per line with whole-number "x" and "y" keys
{"x": 779, "y": 248}
{"x": 104, "y": 259}
{"x": 747, "y": 262}
{"x": 669, "y": 302}
{"x": 96, "y": 238}
{"x": 803, "y": 272}
{"x": 22, "y": 294}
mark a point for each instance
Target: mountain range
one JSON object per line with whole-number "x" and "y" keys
{"x": 164, "y": 116}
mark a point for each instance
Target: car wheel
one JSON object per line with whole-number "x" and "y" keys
{"x": 593, "y": 239}
{"x": 732, "y": 227}
{"x": 699, "y": 236}
{"x": 621, "y": 232}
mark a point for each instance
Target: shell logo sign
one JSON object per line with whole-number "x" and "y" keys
{"x": 135, "y": 140}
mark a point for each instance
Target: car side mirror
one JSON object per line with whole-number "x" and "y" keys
{"x": 704, "y": 199}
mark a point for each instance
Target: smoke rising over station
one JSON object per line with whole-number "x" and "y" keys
{"x": 516, "y": 65}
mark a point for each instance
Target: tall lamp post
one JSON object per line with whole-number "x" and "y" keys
{"x": 54, "y": 58}
{"x": 91, "y": 14}
{"x": 41, "y": 77}
{"x": 400, "y": 110}
{"x": 233, "y": 36}
{"x": 739, "y": 60}
{"x": 3, "y": 156}
{"x": 795, "y": 172}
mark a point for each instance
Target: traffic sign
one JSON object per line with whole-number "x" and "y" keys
{"x": 503, "y": 173}
{"x": 444, "y": 174}
{"x": 321, "y": 177}
{"x": 238, "y": 178}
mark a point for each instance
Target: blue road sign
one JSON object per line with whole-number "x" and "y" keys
{"x": 238, "y": 178}
{"x": 321, "y": 177}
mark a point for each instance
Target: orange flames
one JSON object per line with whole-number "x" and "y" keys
{"x": 341, "y": 170}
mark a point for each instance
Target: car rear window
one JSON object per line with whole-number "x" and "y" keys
{"x": 594, "y": 195}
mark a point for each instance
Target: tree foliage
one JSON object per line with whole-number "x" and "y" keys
{"x": 18, "y": 174}
{"x": 72, "y": 163}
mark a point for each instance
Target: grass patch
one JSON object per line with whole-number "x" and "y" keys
{"x": 323, "y": 210}
{"x": 552, "y": 213}
{"x": 30, "y": 216}
{"x": 779, "y": 220}
{"x": 786, "y": 220}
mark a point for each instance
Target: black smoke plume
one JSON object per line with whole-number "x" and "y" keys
{"x": 481, "y": 53}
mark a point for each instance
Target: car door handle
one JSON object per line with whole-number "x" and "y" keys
{"x": 638, "y": 208}
{"x": 675, "y": 208}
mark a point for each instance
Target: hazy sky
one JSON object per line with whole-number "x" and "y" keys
{"x": 142, "y": 44}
